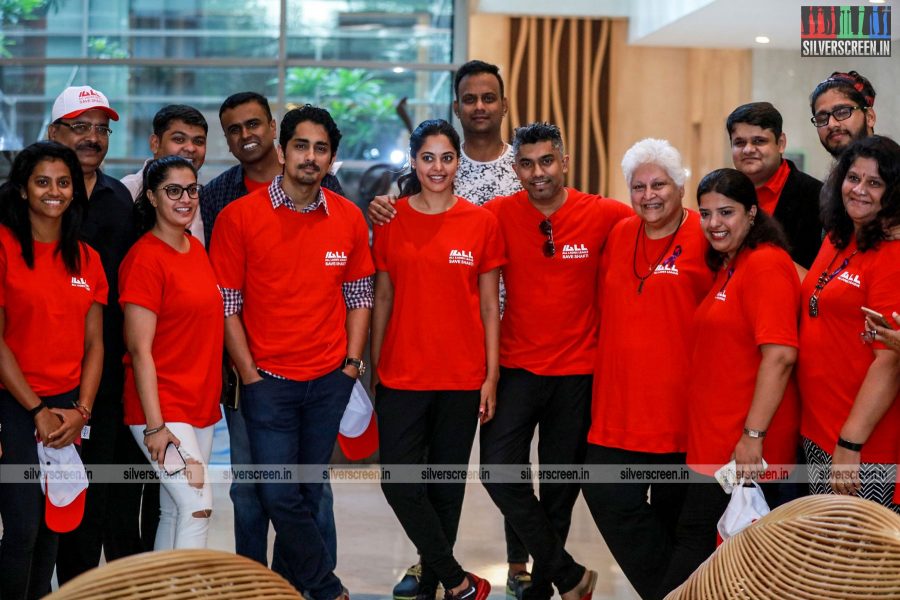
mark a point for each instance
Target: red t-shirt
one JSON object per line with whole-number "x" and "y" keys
{"x": 187, "y": 346}
{"x": 290, "y": 268}
{"x": 549, "y": 326}
{"x": 768, "y": 193}
{"x": 833, "y": 362}
{"x": 45, "y": 310}
{"x": 641, "y": 368}
{"x": 757, "y": 305}
{"x": 435, "y": 337}
{"x": 252, "y": 185}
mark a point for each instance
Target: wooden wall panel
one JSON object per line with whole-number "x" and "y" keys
{"x": 559, "y": 74}
{"x": 605, "y": 94}
{"x": 679, "y": 94}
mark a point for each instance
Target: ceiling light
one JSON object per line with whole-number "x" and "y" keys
{"x": 877, "y": 1}
{"x": 761, "y": 39}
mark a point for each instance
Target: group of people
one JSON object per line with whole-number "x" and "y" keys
{"x": 645, "y": 335}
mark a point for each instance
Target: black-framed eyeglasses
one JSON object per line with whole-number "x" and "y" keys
{"x": 841, "y": 113}
{"x": 175, "y": 191}
{"x": 547, "y": 229}
{"x": 80, "y": 128}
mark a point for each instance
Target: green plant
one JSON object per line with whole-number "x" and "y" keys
{"x": 356, "y": 99}
{"x": 13, "y": 12}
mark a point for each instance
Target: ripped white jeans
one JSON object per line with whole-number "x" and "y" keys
{"x": 178, "y": 500}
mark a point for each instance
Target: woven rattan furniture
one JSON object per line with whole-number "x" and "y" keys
{"x": 812, "y": 548}
{"x": 174, "y": 574}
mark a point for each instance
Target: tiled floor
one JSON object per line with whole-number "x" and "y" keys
{"x": 373, "y": 551}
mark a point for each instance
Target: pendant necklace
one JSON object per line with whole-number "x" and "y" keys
{"x": 652, "y": 268}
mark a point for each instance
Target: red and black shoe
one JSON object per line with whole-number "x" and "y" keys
{"x": 478, "y": 590}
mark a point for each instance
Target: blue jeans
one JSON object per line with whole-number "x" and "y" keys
{"x": 296, "y": 423}
{"x": 251, "y": 524}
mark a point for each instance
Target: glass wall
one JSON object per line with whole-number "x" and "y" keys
{"x": 358, "y": 58}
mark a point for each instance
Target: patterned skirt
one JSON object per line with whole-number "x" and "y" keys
{"x": 877, "y": 479}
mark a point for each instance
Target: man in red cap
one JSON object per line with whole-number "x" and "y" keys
{"x": 80, "y": 120}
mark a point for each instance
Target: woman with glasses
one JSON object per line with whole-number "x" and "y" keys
{"x": 742, "y": 401}
{"x": 435, "y": 344}
{"x": 174, "y": 333}
{"x": 52, "y": 286}
{"x": 654, "y": 276}
{"x": 850, "y": 413}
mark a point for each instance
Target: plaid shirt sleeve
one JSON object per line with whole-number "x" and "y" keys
{"x": 357, "y": 294}
{"x": 233, "y": 299}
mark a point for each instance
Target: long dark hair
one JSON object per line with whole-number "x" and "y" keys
{"x": 736, "y": 186}
{"x": 155, "y": 173}
{"x": 14, "y": 212}
{"x": 409, "y": 183}
{"x": 886, "y": 154}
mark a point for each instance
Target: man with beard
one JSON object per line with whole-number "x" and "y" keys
{"x": 843, "y": 109}
{"x": 295, "y": 271}
{"x": 249, "y": 130}
{"x": 80, "y": 120}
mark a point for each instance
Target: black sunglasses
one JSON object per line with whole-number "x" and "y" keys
{"x": 547, "y": 229}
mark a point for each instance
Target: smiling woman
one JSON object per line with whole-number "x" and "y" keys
{"x": 51, "y": 352}
{"x": 851, "y": 417}
{"x": 169, "y": 294}
{"x": 436, "y": 303}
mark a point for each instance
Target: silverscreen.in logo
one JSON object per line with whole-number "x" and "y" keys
{"x": 845, "y": 30}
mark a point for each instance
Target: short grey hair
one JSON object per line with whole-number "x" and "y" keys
{"x": 651, "y": 151}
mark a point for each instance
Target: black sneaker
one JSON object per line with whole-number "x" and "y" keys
{"x": 478, "y": 589}
{"x": 517, "y": 584}
{"x": 408, "y": 587}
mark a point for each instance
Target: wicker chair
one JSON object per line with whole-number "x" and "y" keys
{"x": 177, "y": 574}
{"x": 812, "y": 548}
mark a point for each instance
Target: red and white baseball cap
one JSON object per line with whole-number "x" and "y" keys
{"x": 358, "y": 434}
{"x": 64, "y": 483}
{"x": 77, "y": 99}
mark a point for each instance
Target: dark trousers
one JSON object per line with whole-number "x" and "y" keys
{"x": 28, "y": 550}
{"x": 434, "y": 428}
{"x": 251, "y": 523}
{"x": 103, "y": 527}
{"x": 123, "y": 535}
{"x": 639, "y": 532}
{"x": 296, "y": 423}
{"x": 560, "y": 408}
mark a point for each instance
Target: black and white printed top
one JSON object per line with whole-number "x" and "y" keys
{"x": 478, "y": 182}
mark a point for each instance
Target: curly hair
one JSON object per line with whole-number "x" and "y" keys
{"x": 886, "y": 154}
{"x": 736, "y": 186}
{"x": 651, "y": 151}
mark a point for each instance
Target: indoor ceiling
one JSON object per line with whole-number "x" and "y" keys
{"x": 694, "y": 23}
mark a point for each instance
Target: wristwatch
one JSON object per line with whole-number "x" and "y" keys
{"x": 754, "y": 433}
{"x": 356, "y": 362}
